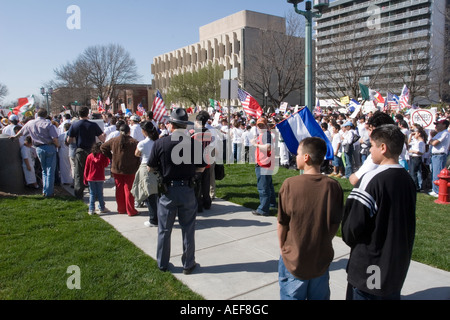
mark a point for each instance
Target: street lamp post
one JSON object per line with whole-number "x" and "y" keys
{"x": 309, "y": 15}
{"x": 46, "y": 95}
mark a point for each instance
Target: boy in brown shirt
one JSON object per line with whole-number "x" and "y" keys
{"x": 310, "y": 210}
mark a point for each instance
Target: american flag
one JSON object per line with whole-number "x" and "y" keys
{"x": 250, "y": 105}
{"x": 404, "y": 98}
{"x": 159, "y": 108}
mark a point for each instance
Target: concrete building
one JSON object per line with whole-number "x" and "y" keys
{"x": 383, "y": 44}
{"x": 228, "y": 42}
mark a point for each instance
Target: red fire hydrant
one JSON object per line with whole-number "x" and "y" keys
{"x": 444, "y": 184}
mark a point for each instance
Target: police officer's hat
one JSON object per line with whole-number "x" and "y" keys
{"x": 179, "y": 116}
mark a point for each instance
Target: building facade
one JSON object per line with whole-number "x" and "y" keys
{"x": 228, "y": 42}
{"x": 384, "y": 44}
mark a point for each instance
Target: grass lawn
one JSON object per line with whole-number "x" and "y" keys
{"x": 40, "y": 238}
{"x": 431, "y": 245}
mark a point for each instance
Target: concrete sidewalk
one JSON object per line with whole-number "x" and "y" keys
{"x": 238, "y": 254}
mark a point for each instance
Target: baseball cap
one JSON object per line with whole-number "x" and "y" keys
{"x": 440, "y": 121}
{"x": 348, "y": 124}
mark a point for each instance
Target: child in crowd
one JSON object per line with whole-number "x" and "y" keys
{"x": 338, "y": 165}
{"x": 379, "y": 222}
{"x": 94, "y": 175}
{"x": 310, "y": 210}
{"x": 28, "y": 163}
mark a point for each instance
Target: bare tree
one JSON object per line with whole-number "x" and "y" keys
{"x": 349, "y": 60}
{"x": 3, "y": 91}
{"x": 97, "y": 72}
{"x": 106, "y": 67}
{"x": 414, "y": 68}
{"x": 277, "y": 62}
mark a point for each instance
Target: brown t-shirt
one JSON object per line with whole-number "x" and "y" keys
{"x": 123, "y": 159}
{"x": 311, "y": 207}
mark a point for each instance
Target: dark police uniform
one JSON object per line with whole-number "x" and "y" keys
{"x": 178, "y": 197}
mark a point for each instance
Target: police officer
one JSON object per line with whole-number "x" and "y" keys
{"x": 173, "y": 157}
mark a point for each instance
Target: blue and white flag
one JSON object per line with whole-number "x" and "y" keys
{"x": 299, "y": 126}
{"x": 353, "y": 105}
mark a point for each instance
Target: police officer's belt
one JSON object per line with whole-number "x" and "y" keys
{"x": 179, "y": 183}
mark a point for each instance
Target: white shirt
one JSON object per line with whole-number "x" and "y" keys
{"x": 442, "y": 147}
{"x": 145, "y": 147}
{"x": 416, "y": 145}
{"x": 336, "y": 141}
{"x": 237, "y": 135}
{"x": 136, "y": 132}
{"x": 9, "y": 130}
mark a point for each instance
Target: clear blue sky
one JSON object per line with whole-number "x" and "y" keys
{"x": 34, "y": 38}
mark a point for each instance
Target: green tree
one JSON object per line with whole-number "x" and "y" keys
{"x": 197, "y": 87}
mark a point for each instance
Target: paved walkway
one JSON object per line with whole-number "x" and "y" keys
{"x": 238, "y": 253}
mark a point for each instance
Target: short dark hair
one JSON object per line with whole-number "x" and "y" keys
{"x": 316, "y": 148}
{"x": 391, "y": 136}
{"x": 84, "y": 112}
{"x": 203, "y": 117}
{"x": 380, "y": 118}
{"x": 42, "y": 113}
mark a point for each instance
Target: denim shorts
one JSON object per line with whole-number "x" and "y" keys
{"x": 337, "y": 162}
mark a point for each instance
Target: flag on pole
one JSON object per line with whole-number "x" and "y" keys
{"x": 250, "y": 105}
{"x": 364, "y": 92}
{"x": 215, "y": 105}
{"x": 100, "y": 105}
{"x": 392, "y": 99}
{"x": 159, "y": 108}
{"x": 376, "y": 96}
{"x": 23, "y": 105}
{"x": 355, "y": 107}
{"x": 404, "y": 98}
{"x": 299, "y": 126}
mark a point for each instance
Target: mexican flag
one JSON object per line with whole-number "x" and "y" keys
{"x": 23, "y": 105}
{"x": 215, "y": 105}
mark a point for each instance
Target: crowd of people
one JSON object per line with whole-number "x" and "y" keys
{"x": 170, "y": 167}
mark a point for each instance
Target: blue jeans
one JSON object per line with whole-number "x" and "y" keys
{"x": 348, "y": 162}
{"x": 437, "y": 164}
{"x": 415, "y": 170}
{"x": 292, "y": 288}
{"x": 96, "y": 192}
{"x": 356, "y": 294}
{"x": 47, "y": 157}
{"x": 265, "y": 190}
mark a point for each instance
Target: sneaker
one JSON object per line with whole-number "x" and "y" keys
{"x": 105, "y": 210}
{"x": 433, "y": 194}
{"x": 149, "y": 224}
{"x": 91, "y": 213}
